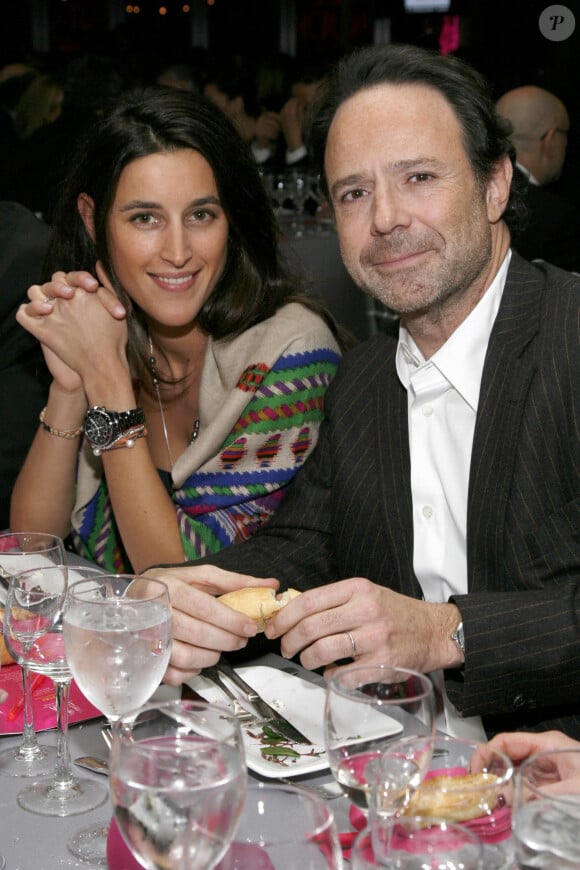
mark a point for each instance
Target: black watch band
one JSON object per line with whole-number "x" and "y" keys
{"x": 104, "y": 428}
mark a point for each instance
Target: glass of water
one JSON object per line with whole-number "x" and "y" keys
{"x": 546, "y": 811}
{"x": 117, "y": 634}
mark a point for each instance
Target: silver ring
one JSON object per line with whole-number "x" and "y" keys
{"x": 48, "y": 300}
{"x": 352, "y": 643}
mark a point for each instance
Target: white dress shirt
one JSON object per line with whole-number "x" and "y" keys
{"x": 443, "y": 393}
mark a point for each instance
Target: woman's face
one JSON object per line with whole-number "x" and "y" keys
{"x": 167, "y": 235}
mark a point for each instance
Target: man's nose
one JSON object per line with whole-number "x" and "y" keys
{"x": 389, "y": 210}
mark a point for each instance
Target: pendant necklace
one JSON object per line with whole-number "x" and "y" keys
{"x": 155, "y": 379}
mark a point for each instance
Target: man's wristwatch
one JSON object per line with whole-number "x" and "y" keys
{"x": 104, "y": 429}
{"x": 459, "y": 638}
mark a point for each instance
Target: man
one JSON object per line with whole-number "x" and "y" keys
{"x": 436, "y": 524}
{"x": 540, "y": 135}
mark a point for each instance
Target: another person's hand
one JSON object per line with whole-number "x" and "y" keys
{"x": 203, "y": 627}
{"x": 356, "y": 616}
{"x": 519, "y": 745}
{"x": 267, "y": 129}
{"x": 292, "y": 121}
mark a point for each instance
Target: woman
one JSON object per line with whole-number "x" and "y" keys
{"x": 191, "y": 348}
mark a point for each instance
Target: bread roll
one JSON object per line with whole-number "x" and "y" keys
{"x": 258, "y": 602}
{"x": 455, "y": 798}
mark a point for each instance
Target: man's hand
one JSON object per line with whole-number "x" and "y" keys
{"x": 384, "y": 625}
{"x": 203, "y": 627}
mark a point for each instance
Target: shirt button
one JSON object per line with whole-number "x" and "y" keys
{"x": 427, "y": 410}
{"x": 427, "y": 511}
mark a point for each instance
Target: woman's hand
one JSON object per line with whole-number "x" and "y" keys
{"x": 78, "y": 323}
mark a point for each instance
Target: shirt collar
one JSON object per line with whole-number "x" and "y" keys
{"x": 460, "y": 360}
{"x": 529, "y": 175}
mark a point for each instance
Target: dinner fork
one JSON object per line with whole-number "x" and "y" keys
{"x": 326, "y": 790}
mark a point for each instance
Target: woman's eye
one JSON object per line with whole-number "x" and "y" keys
{"x": 144, "y": 219}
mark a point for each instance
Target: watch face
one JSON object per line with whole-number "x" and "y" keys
{"x": 98, "y": 427}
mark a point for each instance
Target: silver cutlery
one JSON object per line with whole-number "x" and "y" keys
{"x": 91, "y": 762}
{"x": 264, "y": 714}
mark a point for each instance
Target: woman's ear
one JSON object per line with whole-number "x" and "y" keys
{"x": 86, "y": 207}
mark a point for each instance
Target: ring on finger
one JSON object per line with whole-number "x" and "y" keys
{"x": 48, "y": 300}
{"x": 352, "y": 644}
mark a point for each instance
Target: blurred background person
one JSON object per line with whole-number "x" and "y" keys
{"x": 541, "y": 125}
{"x": 24, "y": 377}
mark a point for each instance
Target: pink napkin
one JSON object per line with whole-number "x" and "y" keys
{"x": 44, "y": 705}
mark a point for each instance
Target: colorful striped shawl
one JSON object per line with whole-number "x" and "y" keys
{"x": 261, "y": 405}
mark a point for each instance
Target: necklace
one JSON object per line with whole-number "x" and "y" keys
{"x": 155, "y": 379}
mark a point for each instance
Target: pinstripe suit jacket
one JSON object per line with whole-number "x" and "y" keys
{"x": 350, "y": 514}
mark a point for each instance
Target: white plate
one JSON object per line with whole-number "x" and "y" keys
{"x": 299, "y": 701}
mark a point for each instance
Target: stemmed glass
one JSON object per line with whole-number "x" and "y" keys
{"x": 546, "y": 810}
{"x": 117, "y": 633}
{"x": 18, "y": 552}
{"x": 178, "y": 782}
{"x": 368, "y": 707}
{"x": 33, "y": 632}
{"x": 284, "y": 826}
{"x": 414, "y": 843}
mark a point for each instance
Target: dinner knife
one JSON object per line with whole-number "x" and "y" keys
{"x": 267, "y": 714}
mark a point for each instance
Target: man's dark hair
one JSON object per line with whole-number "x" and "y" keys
{"x": 486, "y": 135}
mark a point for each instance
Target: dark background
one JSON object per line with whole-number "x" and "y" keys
{"x": 500, "y": 37}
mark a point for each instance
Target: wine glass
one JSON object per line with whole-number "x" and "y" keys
{"x": 18, "y": 552}
{"x": 33, "y": 631}
{"x": 467, "y": 783}
{"x": 117, "y": 634}
{"x": 367, "y": 707}
{"x": 284, "y": 826}
{"x": 178, "y": 781}
{"x": 414, "y": 843}
{"x": 546, "y": 810}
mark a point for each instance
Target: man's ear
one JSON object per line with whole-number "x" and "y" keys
{"x": 498, "y": 189}
{"x": 86, "y": 207}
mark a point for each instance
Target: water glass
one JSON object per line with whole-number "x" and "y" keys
{"x": 178, "y": 781}
{"x": 367, "y": 708}
{"x": 284, "y": 826}
{"x": 20, "y": 551}
{"x": 546, "y": 811}
{"x": 415, "y": 843}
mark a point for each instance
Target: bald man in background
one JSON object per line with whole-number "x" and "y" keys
{"x": 540, "y": 136}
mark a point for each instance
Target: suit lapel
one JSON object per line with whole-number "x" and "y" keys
{"x": 507, "y": 373}
{"x": 394, "y": 471}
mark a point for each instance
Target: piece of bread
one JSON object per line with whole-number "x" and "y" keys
{"x": 258, "y": 602}
{"x": 455, "y": 798}
{"x": 6, "y": 658}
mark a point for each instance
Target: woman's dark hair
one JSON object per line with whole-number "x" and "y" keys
{"x": 485, "y": 133}
{"x": 256, "y": 280}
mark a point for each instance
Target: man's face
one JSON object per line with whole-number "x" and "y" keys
{"x": 415, "y": 228}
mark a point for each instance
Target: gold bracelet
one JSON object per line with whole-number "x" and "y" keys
{"x": 69, "y": 434}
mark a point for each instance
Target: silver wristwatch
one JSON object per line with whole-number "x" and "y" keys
{"x": 459, "y": 637}
{"x": 104, "y": 428}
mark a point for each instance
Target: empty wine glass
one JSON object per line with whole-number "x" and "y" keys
{"x": 33, "y": 631}
{"x": 178, "y": 781}
{"x": 367, "y": 707}
{"x": 18, "y": 552}
{"x": 284, "y": 826}
{"x": 414, "y": 843}
{"x": 117, "y": 633}
{"x": 546, "y": 810}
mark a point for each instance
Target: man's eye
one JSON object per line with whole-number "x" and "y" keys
{"x": 353, "y": 194}
{"x": 420, "y": 176}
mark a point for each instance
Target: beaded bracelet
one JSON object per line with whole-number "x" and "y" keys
{"x": 69, "y": 434}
